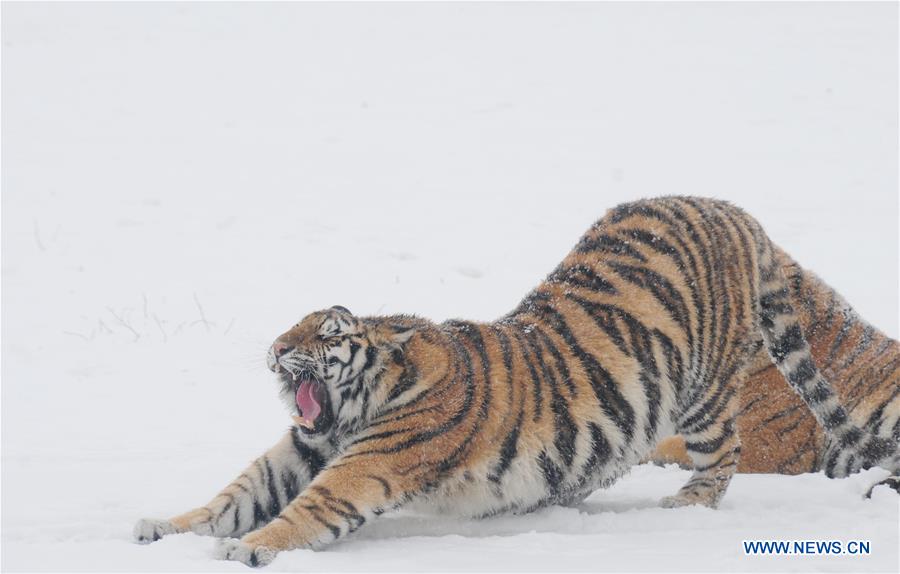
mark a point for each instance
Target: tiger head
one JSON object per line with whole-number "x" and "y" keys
{"x": 325, "y": 361}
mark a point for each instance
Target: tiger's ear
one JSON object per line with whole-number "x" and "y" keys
{"x": 402, "y": 336}
{"x": 341, "y": 309}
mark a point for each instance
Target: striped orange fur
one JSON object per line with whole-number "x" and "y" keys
{"x": 648, "y": 328}
{"x": 778, "y": 433}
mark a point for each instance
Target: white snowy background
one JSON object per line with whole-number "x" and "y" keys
{"x": 182, "y": 182}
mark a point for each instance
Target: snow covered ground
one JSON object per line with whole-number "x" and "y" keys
{"x": 182, "y": 182}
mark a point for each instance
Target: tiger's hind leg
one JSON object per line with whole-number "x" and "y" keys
{"x": 712, "y": 443}
{"x": 888, "y": 425}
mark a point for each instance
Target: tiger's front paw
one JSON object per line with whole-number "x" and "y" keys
{"x": 234, "y": 549}
{"x": 148, "y": 530}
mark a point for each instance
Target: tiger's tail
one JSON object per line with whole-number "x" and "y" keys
{"x": 789, "y": 350}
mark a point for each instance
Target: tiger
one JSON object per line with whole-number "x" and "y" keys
{"x": 778, "y": 434}
{"x": 645, "y": 330}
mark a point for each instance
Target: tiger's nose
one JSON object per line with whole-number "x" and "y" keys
{"x": 281, "y": 348}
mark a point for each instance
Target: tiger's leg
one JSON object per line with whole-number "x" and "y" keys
{"x": 882, "y": 419}
{"x": 888, "y": 425}
{"x": 347, "y": 494}
{"x": 252, "y": 499}
{"x": 713, "y": 445}
{"x": 575, "y": 499}
{"x": 672, "y": 451}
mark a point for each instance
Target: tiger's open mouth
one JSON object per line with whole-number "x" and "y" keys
{"x": 312, "y": 401}
{"x": 309, "y": 397}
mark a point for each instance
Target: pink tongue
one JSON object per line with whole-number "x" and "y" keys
{"x": 306, "y": 399}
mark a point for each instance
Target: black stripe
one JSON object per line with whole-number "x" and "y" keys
{"x": 654, "y": 395}
{"x": 802, "y": 373}
{"x": 661, "y": 289}
{"x": 600, "y": 451}
{"x": 317, "y": 516}
{"x": 790, "y": 341}
{"x": 535, "y": 378}
{"x": 343, "y": 508}
{"x": 779, "y": 415}
{"x": 851, "y": 438}
{"x": 674, "y": 361}
{"x": 473, "y": 333}
{"x": 843, "y": 332}
{"x": 353, "y": 520}
{"x": 509, "y": 446}
{"x": 865, "y": 341}
{"x": 382, "y": 421}
{"x": 693, "y": 279}
{"x": 751, "y": 258}
{"x": 583, "y": 276}
{"x": 553, "y": 475}
{"x": 604, "y": 316}
{"x": 506, "y": 352}
{"x": 641, "y": 208}
{"x": 706, "y": 305}
{"x": 709, "y": 411}
{"x": 807, "y": 445}
{"x": 837, "y": 418}
{"x": 405, "y": 381}
{"x": 712, "y": 445}
{"x": 654, "y": 242}
{"x": 508, "y": 451}
{"x": 606, "y": 390}
{"x": 384, "y": 484}
{"x": 291, "y": 485}
{"x": 877, "y": 448}
{"x": 237, "y": 518}
{"x": 565, "y": 430}
{"x": 718, "y": 461}
{"x": 641, "y": 345}
{"x": 307, "y": 454}
{"x": 274, "y": 503}
{"x": 259, "y": 515}
{"x": 773, "y": 304}
{"x": 608, "y": 244}
{"x": 379, "y": 435}
{"x": 562, "y": 366}
{"x": 723, "y": 273}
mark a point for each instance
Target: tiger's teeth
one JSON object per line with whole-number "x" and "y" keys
{"x": 304, "y": 422}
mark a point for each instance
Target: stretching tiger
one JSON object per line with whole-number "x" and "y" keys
{"x": 778, "y": 434}
{"x": 646, "y": 329}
